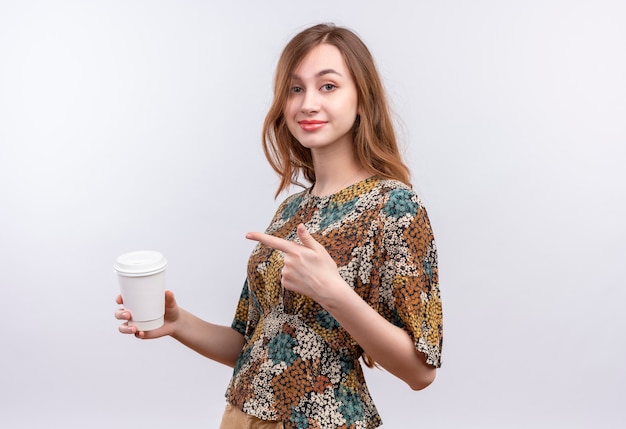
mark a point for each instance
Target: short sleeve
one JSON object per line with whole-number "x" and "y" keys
{"x": 409, "y": 294}
{"x": 246, "y": 313}
{"x": 248, "y": 310}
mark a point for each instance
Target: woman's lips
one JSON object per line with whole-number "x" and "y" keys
{"x": 309, "y": 125}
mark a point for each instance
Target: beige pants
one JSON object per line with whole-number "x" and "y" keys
{"x": 234, "y": 418}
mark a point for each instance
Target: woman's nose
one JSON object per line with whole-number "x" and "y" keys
{"x": 310, "y": 102}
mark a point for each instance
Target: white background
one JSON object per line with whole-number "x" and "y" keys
{"x": 133, "y": 124}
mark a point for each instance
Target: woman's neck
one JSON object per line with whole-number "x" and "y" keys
{"x": 335, "y": 174}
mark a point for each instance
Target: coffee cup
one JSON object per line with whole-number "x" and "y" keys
{"x": 141, "y": 276}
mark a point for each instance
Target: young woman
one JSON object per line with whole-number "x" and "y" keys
{"x": 347, "y": 268}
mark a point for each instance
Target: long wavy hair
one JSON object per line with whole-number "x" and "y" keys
{"x": 375, "y": 145}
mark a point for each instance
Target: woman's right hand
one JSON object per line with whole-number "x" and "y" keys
{"x": 172, "y": 315}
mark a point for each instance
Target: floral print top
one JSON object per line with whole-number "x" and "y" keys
{"x": 298, "y": 365}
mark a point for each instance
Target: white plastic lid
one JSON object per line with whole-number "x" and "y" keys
{"x": 140, "y": 263}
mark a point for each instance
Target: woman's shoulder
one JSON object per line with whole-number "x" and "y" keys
{"x": 290, "y": 205}
{"x": 393, "y": 184}
{"x": 399, "y": 199}
{"x": 295, "y": 197}
{"x": 397, "y": 189}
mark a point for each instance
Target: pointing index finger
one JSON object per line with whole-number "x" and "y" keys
{"x": 273, "y": 242}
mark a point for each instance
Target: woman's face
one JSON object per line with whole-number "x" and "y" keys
{"x": 321, "y": 107}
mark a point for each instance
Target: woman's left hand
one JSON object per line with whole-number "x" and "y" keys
{"x": 308, "y": 268}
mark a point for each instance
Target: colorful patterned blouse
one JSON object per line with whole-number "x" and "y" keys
{"x": 298, "y": 365}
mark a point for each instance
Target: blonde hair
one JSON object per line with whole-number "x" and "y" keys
{"x": 375, "y": 144}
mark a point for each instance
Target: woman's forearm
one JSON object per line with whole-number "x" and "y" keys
{"x": 390, "y": 346}
{"x": 219, "y": 343}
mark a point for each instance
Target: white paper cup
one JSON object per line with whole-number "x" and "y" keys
{"x": 141, "y": 277}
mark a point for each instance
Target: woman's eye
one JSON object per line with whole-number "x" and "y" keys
{"x": 295, "y": 90}
{"x": 328, "y": 87}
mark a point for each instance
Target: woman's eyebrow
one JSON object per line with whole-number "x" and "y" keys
{"x": 318, "y": 74}
{"x": 327, "y": 71}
